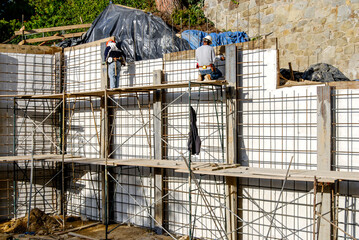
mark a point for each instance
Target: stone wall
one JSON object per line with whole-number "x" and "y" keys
{"x": 308, "y": 32}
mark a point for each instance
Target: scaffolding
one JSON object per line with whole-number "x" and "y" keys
{"x": 121, "y": 155}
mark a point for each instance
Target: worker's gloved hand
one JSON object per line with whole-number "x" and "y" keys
{"x": 109, "y": 60}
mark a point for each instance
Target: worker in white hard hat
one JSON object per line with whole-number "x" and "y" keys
{"x": 114, "y": 58}
{"x": 205, "y": 61}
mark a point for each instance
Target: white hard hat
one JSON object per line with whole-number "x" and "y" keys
{"x": 207, "y": 38}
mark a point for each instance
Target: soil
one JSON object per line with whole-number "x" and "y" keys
{"x": 39, "y": 223}
{"x": 123, "y": 232}
{"x": 44, "y": 226}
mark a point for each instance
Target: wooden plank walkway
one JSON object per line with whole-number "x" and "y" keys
{"x": 214, "y": 169}
{"x": 121, "y": 90}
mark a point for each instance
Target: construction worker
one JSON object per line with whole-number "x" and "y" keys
{"x": 114, "y": 58}
{"x": 205, "y": 61}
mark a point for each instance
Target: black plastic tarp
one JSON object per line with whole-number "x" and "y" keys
{"x": 319, "y": 72}
{"x": 141, "y": 35}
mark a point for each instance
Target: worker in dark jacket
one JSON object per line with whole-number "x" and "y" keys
{"x": 115, "y": 59}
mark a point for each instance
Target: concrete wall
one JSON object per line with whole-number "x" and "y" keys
{"x": 308, "y": 32}
{"x": 27, "y": 73}
{"x": 83, "y": 68}
{"x": 276, "y": 125}
{"x": 346, "y": 130}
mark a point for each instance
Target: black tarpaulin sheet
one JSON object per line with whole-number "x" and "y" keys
{"x": 141, "y": 35}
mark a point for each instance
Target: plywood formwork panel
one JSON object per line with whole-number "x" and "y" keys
{"x": 346, "y": 129}
{"x": 139, "y": 73}
{"x": 206, "y": 101}
{"x": 205, "y": 225}
{"x": 132, "y": 135}
{"x": 268, "y": 212}
{"x": 134, "y": 196}
{"x": 346, "y": 209}
{"x": 6, "y": 196}
{"x": 28, "y": 70}
{"x": 277, "y": 123}
{"x": 26, "y": 73}
{"x": 83, "y": 69}
{"x": 83, "y": 132}
{"x": 84, "y": 191}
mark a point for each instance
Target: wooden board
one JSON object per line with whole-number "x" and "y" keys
{"x": 214, "y": 169}
{"x": 40, "y": 96}
{"x": 53, "y": 29}
{"x": 122, "y": 90}
{"x": 87, "y": 45}
{"x": 10, "y": 48}
{"x": 345, "y": 85}
{"x": 77, "y": 228}
{"x": 51, "y": 38}
{"x": 166, "y": 86}
{"x": 337, "y": 85}
{"x": 36, "y": 157}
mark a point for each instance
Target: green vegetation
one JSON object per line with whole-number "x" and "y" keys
{"x": 52, "y": 13}
{"x": 192, "y": 14}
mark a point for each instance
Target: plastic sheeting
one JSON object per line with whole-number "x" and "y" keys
{"x": 194, "y": 37}
{"x": 323, "y": 72}
{"x": 141, "y": 35}
{"x": 319, "y": 72}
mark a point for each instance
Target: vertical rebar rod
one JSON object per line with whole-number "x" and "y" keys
{"x": 314, "y": 205}
{"x": 336, "y": 208}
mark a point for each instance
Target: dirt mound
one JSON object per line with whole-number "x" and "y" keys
{"x": 40, "y": 223}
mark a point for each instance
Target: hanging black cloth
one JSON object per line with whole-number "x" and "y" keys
{"x": 194, "y": 141}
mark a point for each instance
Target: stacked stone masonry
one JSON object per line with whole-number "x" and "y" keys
{"x": 308, "y": 32}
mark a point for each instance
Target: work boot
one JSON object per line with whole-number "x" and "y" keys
{"x": 207, "y": 77}
{"x": 200, "y": 77}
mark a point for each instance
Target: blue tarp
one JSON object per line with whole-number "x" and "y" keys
{"x": 194, "y": 37}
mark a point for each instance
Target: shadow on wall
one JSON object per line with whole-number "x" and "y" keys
{"x": 6, "y": 193}
{"x": 133, "y": 196}
{"x": 131, "y": 68}
{"x": 242, "y": 153}
{"x": 44, "y": 184}
{"x": 8, "y": 85}
{"x": 84, "y": 192}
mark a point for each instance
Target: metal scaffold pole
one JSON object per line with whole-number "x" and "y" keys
{"x": 63, "y": 161}
{"x": 106, "y": 161}
{"x": 31, "y": 178}
{"x": 189, "y": 167}
{"x": 14, "y": 163}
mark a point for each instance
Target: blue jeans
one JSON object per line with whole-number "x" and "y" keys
{"x": 114, "y": 79}
{"x": 214, "y": 75}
